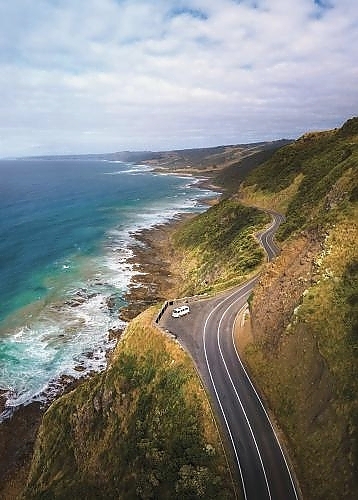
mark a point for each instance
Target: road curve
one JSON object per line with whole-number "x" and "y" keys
{"x": 208, "y": 334}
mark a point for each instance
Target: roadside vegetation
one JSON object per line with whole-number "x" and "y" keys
{"x": 304, "y": 356}
{"x": 143, "y": 429}
{"x": 218, "y": 248}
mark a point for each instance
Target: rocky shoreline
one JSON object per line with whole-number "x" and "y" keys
{"x": 17, "y": 438}
{"x": 155, "y": 281}
{"x": 153, "y": 258}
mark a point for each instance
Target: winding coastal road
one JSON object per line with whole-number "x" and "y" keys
{"x": 208, "y": 334}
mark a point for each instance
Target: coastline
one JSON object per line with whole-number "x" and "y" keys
{"x": 153, "y": 260}
{"x": 17, "y": 439}
{"x": 151, "y": 254}
{"x": 153, "y": 257}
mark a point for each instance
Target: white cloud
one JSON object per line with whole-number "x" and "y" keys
{"x": 103, "y": 75}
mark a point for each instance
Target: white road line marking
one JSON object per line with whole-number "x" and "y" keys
{"x": 267, "y": 416}
{"x": 273, "y": 248}
{"x": 219, "y": 400}
{"x": 239, "y": 290}
{"x": 239, "y": 399}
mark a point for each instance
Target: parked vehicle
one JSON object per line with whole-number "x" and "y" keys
{"x": 180, "y": 311}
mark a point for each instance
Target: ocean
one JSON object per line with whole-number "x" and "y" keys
{"x": 66, "y": 227}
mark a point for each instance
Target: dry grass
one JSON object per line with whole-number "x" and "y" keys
{"x": 143, "y": 429}
{"x": 279, "y": 201}
{"x": 310, "y": 379}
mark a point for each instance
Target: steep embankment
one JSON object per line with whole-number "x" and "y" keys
{"x": 305, "y": 310}
{"x": 218, "y": 248}
{"x": 142, "y": 429}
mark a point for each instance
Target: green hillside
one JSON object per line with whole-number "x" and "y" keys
{"x": 322, "y": 164}
{"x": 231, "y": 176}
{"x": 143, "y": 429}
{"x": 304, "y": 313}
{"x": 218, "y": 248}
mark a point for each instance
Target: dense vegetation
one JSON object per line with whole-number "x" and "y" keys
{"x": 232, "y": 176}
{"x": 347, "y": 291}
{"x": 320, "y": 160}
{"x": 220, "y": 245}
{"x": 306, "y": 360}
{"x": 143, "y": 429}
{"x": 346, "y": 299}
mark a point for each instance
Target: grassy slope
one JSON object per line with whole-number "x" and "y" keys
{"x": 142, "y": 429}
{"x": 307, "y": 362}
{"x": 219, "y": 248}
{"x": 306, "y": 173}
{"x": 231, "y": 176}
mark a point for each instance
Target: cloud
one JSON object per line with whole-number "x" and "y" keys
{"x": 104, "y": 75}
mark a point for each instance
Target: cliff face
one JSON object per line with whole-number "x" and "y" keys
{"x": 305, "y": 310}
{"x": 280, "y": 289}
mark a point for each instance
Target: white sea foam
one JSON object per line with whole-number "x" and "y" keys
{"x": 135, "y": 169}
{"x": 113, "y": 161}
{"x": 68, "y": 337}
{"x": 70, "y": 340}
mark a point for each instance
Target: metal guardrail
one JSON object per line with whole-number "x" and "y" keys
{"x": 163, "y": 309}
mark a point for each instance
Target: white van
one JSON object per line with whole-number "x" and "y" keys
{"x": 180, "y": 311}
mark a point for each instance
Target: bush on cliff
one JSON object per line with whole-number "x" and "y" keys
{"x": 143, "y": 429}
{"x": 220, "y": 248}
{"x": 319, "y": 160}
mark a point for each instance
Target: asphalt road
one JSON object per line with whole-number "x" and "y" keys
{"x": 207, "y": 334}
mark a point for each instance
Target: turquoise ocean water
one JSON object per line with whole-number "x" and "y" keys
{"x": 65, "y": 231}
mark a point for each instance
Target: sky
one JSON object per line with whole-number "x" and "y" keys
{"x": 95, "y": 76}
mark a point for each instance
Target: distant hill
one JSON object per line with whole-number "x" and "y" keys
{"x": 197, "y": 158}
{"x": 125, "y": 156}
{"x": 211, "y": 161}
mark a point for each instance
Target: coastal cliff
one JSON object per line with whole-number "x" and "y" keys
{"x": 143, "y": 429}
